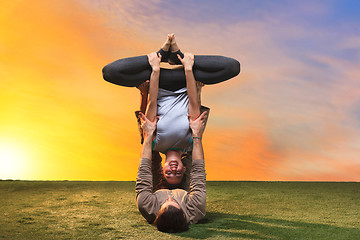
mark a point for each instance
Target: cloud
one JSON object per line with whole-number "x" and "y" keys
{"x": 290, "y": 114}
{"x": 53, "y": 95}
{"x": 297, "y": 87}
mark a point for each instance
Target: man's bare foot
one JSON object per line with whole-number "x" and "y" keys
{"x": 167, "y": 43}
{"x": 173, "y": 44}
{"x": 144, "y": 87}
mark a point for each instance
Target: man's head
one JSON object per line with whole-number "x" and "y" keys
{"x": 171, "y": 218}
{"x": 173, "y": 168}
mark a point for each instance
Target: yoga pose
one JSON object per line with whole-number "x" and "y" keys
{"x": 164, "y": 177}
{"x": 208, "y": 69}
{"x": 171, "y": 123}
{"x": 172, "y": 210}
{"x": 173, "y": 94}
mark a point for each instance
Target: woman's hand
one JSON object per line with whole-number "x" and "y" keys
{"x": 148, "y": 126}
{"x": 187, "y": 61}
{"x": 154, "y": 61}
{"x": 198, "y": 125}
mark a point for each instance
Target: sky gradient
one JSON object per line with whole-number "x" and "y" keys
{"x": 293, "y": 113}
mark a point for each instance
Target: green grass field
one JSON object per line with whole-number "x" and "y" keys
{"x": 235, "y": 210}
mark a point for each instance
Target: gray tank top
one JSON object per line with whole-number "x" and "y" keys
{"x": 173, "y": 129}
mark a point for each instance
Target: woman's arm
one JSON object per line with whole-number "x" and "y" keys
{"x": 194, "y": 103}
{"x": 154, "y": 61}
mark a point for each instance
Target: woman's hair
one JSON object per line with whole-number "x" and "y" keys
{"x": 171, "y": 220}
{"x": 163, "y": 184}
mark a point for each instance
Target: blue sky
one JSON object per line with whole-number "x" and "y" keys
{"x": 291, "y": 114}
{"x": 299, "y": 84}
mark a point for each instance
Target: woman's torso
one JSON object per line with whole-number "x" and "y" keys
{"x": 173, "y": 130}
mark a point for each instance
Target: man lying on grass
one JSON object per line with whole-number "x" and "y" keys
{"x": 172, "y": 210}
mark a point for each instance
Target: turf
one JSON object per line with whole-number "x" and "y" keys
{"x": 235, "y": 210}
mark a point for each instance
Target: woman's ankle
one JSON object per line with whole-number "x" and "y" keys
{"x": 164, "y": 55}
{"x": 173, "y": 58}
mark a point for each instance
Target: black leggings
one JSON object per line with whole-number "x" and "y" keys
{"x": 208, "y": 69}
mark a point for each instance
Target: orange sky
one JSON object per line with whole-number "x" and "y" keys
{"x": 61, "y": 120}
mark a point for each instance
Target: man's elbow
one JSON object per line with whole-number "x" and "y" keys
{"x": 143, "y": 209}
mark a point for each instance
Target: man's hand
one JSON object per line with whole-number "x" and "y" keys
{"x": 187, "y": 61}
{"x": 154, "y": 61}
{"x": 148, "y": 126}
{"x": 198, "y": 125}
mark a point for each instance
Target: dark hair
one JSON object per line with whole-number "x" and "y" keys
{"x": 171, "y": 220}
{"x": 163, "y": 184}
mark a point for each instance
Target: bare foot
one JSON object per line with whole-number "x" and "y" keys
{"x": 174, "y": 46}
{"x": 167, "y": 43}
{"x": 144, "y": 87}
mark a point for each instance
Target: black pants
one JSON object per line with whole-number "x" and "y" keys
{"x": 208, "y": 69}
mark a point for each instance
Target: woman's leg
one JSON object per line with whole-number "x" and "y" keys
{"x": 165, "y": 49}
{"x": 131, "y": 72}
{"x": 212, "y": 69}
{"x": 128, "y": 72}
{"x": 174, "y": 51}
{"x": 208, "y": 69}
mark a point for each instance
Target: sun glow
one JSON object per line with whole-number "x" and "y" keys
{"x": 12, "y": 161}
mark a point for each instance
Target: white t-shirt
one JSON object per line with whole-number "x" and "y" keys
{"x": 173, "y": 129}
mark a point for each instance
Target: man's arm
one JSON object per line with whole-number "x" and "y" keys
{"x": 197, "y": 127}
{"x": 197, "y": 195}
{"x": 154, "y": 61}
{"x": 146, "y": 200}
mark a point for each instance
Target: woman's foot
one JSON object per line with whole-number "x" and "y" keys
{"x": 167, "y": 43}
{"x": 165, "y": 49}
{"x": 173, "y": 44}
{"x": 175, "y": 50}
{"x": 144, "y": 87}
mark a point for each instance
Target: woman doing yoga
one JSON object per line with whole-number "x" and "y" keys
{"x": 173, "y": 95}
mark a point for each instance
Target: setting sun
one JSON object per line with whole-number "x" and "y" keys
{"x": 12, "y": 161}
{"x": 292, "y": 113}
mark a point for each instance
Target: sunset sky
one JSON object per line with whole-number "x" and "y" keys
{"x": 293, "y": 113}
